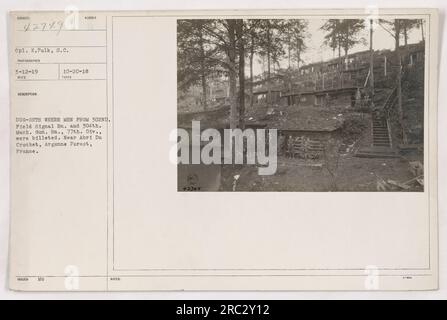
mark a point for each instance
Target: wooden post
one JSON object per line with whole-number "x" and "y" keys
{"x": 397, "y": 27}
{"x": 384, "y": 65}
{"x": 371, "y": 58}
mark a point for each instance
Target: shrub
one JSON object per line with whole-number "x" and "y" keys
{"x": 354, "y": 125}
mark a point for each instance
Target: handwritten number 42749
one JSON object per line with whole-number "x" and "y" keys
{"x": 44, "y": 26}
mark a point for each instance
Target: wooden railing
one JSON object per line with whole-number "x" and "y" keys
{"x": 367, "y": 78}
{"x": 389, "y": 102}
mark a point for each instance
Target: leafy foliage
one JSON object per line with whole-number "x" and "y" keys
{"x": 196, "y": 55}
{"x": 343, "y": 33}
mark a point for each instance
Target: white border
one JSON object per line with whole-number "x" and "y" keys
{"x": 8, "y": 5}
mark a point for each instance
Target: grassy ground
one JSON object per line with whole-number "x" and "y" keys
{"x": 353, "y": 174}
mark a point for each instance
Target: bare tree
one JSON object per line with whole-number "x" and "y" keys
{"x": 397, "y": 29}
{"x": 371, "y": 58}
{"x": 271, "y": 46}
{"x": 252, "y": 26}
{"x": 421, "y": 26}
{"x": 396, "y": 32}
{"x": 241, "y": 51}
{"x": 407, "y": 26}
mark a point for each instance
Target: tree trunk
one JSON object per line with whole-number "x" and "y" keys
{"x": 422, "y": 29}
{"x": 371, "y": 59}
{"x": 269, "y": 92}
{"x": 289, "y": 51}
{"x": 338, "y": 37}
{"x": 406, "y": 54}
{"x": 240, "y": 40}
{"x": 204, "y": 96}
{"x": 202, "y": 70}
{"x": 346, "y": 47}
{"x": 340, "y": 63}
{"x": 232, "y": 73}
{"x": 405, "y": 37}
{"x": 399, "y": 79}
{"x": 346, "y": 57}
{"x": 252, "y": 98}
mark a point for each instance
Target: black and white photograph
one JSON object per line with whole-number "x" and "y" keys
{"x": 344, "y": 97}
{"x": 192, "y": 151}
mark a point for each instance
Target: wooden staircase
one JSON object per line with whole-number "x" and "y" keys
{"x": 380, "y": 131}
{"x": 381, "y": 146}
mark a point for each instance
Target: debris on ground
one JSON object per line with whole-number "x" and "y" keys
{"x": 235, "y": 179}
{"x": 416, "y": 168}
